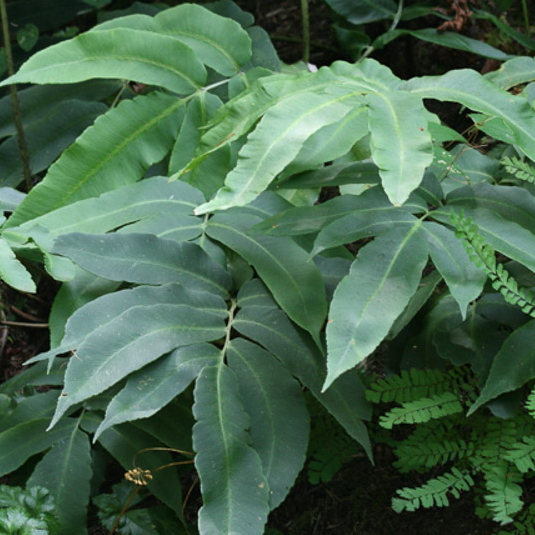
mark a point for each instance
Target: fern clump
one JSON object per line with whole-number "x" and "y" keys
{"x": 483, "y": 451}
{"x": 483, "y": 256}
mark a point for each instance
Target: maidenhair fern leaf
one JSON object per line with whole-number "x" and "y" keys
{"x": 504, "y": 498}
{"x": 522, "y": 454}
{"x": 483, "y": 256}
{"x": 436, "y": 492}
{"x": 411, "y": 385}
{"x": 519, "y": 169}
{"x": 422, "y": 410}
{"x": 414, "y": 455}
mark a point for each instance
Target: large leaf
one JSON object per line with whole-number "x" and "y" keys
{"x": 400, "y": 141}
{"x": 144, "y": 258}
{"x": 19, "y": 443}
{"x": 149, "y": 198}
{"x": 12, "y": 271}
{"x": 513, "y": 366}
{"x": 279, "y": 418}
{"x": 136, "y": 338}
{"x": 260, "y": 320}
{"x": 66, "y": 472}
{"x": 218, "y": 42}
{"x": 145, "y": 57}
{"x": 366, "y": 303}
{"x": 274, "y": 144}
{"x": 234, "y": 489}
{"x": 153, "y": 387}
{"x": 472, "y": 90}
{"x": 465, "y": 281}
{"x": 114, "y": 152}
{"x": 107, "y": 308}
{"x": 295, "y": 283}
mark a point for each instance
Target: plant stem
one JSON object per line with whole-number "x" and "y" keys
{"x": 306, "y": 30}
{"x": 526, "y": 16}
{"x": 23, "y": 148}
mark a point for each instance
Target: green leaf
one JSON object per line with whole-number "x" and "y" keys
{"x": 144, "y": 258}
{"x": 114, "y": 152}
{"x": 295, "y": 282}
{"x": 366, "y": 303}
{"x": 465, "y": 281}
{"x": 260, "y": 320}
{"x": 130, "y": 341}
{"x": 234, "y": 489}
{"x": 153, "y": 387}
{"x": 514, "y": 72}
{"x": 472, "y": 90}
{"x": 279, "y": 419}
{"x": 400, "y": 141}
{"x": 512, "y": 367}
{"x": 274, "y": 143}
{"x": 19, "y": 443}
{"x": 145, "y": 57}
{"x": 364, "y": 11}
{"x": 12, "y": 271}
{"x": 220, "y": 43}
{"x": 66, "y": 472}
{"x": 448, "y": 39}
{"x": 27, "y": 36}
{"x": 150, "y": 198}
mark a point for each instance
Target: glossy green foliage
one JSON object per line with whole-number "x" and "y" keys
{"x": 204, "y": 290}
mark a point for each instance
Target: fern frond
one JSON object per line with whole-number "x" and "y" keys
{"x": 530, "y": 403}
{"x": 519, "y": 169}
{"x": 414, "y": 455}
{"x": 499, "y": 438}
{"x": 422, "y": 410}
{"x": 435, "y": 492}
{"x": 504, "y": 498}
{"x": 410, "y": 385}
{"x": 522, "y": 454}
{"x": 483, "y": 256}
{"x": 327, "y": 461}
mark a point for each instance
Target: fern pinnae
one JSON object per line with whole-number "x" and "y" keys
{"x": 434, "y": 492}
{"x": 519, "y": 169}
{"x": 483, "y": 256}
{"x": 422, "y": 410}
{"x": 522, "y": 454}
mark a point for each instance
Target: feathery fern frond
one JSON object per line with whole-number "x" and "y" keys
{"x": 504, "y": 498}
{"x": 414, "y": 455}
{"x": 411, "y": 385}
{"x": 483, "y": 256}
{"x": 499, "y": 437}
{"x": 522, "y": 454}
{"x": 519, "y": 169}
{"x": 435, "y": 492}
{"x": 422, "y": 410}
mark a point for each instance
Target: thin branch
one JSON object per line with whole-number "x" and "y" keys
{"x": 23, "y": 147}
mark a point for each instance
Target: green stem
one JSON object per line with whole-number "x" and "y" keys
{"x": 526, "y": 16}
{"x": 306, "y": 30}
{"x": 393, "y": 26}
{"x": 23, "y": 148}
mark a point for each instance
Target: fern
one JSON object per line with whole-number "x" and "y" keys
{"x": 483, "y": 256}
{"x": 522, "y": 454}
{"x": 422, "y": 410}
{"x": 502, "y": 482}
{"x": 519, "y": 169}
{"x": 435, "y": 492}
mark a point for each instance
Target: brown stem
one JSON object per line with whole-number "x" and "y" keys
{"x": 23, "y": 148}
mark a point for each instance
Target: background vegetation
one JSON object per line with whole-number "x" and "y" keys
{"x": 255, "y": 271}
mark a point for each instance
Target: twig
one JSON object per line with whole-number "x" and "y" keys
{"x": 23, "y": 147}
{"x": 25, "y": 324}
